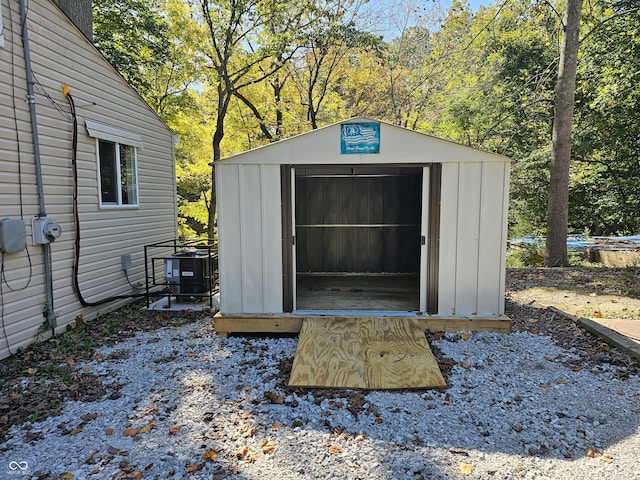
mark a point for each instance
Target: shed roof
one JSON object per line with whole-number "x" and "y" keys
{"x": 397, "y": 145}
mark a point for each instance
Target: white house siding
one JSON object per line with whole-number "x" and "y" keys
{"x": 250, "y": 248}
{"x": 472, "y": 238}
{"x": 60, "y": 54}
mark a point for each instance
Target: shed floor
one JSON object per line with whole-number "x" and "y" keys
{"x": 385, "y": 292}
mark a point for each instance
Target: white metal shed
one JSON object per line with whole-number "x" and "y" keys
{"x": 363, "y": 217}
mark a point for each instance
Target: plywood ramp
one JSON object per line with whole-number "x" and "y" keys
{"x": 366, "y": 352}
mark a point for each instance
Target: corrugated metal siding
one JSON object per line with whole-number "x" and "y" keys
{"x": 250, "y": 230}
{"x": 62, "y": 55}
{"x": 473, "y": 238}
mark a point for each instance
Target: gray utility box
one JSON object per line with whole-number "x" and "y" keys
{"x": 12, "y": 235}
{"x": 188, "y": 272}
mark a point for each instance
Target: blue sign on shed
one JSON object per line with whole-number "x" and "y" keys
{"x": 357, "y": 138}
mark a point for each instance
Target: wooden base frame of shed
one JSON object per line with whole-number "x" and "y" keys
{"x": 226, "y": 324}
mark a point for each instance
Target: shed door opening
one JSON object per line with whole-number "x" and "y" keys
{"x": 358, "y": 238}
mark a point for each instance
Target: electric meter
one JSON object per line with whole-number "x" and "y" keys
{"x": 45, "y": 230}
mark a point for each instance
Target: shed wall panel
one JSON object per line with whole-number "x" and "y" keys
{"x": 448, "y": 240}
{"x": 272, "y": 239}
{"x": 250, "y": 227}
{"x": 251, "y": 238}
{"x": 490, "y": 260}
{"x": 472, "y": 239}
{"x": 230, "y": 232}
{"x": 469, "y": 196}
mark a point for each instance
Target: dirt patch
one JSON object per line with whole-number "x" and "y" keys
{"x": 592, "y": 292}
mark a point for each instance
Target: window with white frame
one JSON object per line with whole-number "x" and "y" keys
{"x": 118, "y": 179}
{"x": 117, "y": 164}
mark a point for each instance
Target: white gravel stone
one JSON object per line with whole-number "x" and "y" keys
{"x": 518, "y": 411}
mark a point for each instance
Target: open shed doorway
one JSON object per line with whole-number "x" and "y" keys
{"x": 358, "y": 238}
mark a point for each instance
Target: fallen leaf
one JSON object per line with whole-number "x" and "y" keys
{"x": 71, "y": 362}
{"x": 76, "y": 430}
{"x": 90, "y": 460}
{"x": 247, "y": 430}
{"x": 466, "y": 468}
{"x": 246, "y": 415}
{"x": 147, "y": 427}
{"x": 242, "y": 452}
{"x": 251, "y": 457}
{"x": 273, "y": 398}
{"x": 606, "y": 457}
{"x": 210, "y": 455}
{"x": 379, "y": 420}
{"x": 597, "y": 315}
{"x": 151, "y": 409}
{"x": 194, "y": 468}
{"x": 560, "y": 381}
{"x": 333, "y": 448}
{"x": 89, "y": 416}
{"x": 67, "y": 476}
{"x": 360, "y": 437}
{"x": 464, "y": 364}
{"x": 130, "y": 432}
{"x": 465, "y": 336}
{"x": 275, "y": 426}
{"x": 268, "y": 446}
{"x": 591, "y": 453}
{"x": 32, "y": 371}
{"x": 109, "y": 431}
{"x": 544, "y": 385}
{"x": 191, "y": 354}
{"x": 173, "y": 430}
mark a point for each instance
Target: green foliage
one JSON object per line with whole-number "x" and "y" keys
{"x": 605, "y": 186}
{"x": 133, "y": 36}
{"x": 523, "y": 256}
{"x": 229, "y": 75}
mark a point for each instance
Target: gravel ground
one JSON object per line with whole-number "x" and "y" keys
{"x": 546, "y": 401}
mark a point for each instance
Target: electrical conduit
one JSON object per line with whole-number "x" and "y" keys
{"x": 31, "y": 101}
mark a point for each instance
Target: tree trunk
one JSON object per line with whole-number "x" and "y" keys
{"x": 223, "y": 104}
{"x": 558, "y": 200}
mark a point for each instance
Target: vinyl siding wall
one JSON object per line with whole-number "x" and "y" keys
{"x": 60, "y": 54}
